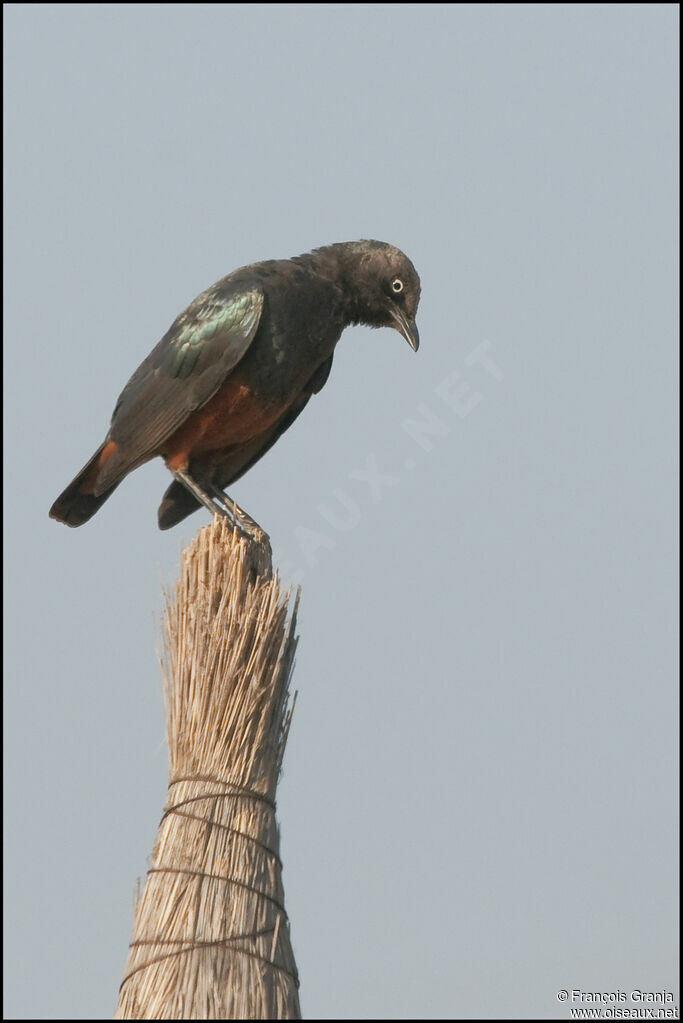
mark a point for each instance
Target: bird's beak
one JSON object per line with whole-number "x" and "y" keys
{"x": 407, "y": 327}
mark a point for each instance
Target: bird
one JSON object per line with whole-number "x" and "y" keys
{"x": 235, "y": 370}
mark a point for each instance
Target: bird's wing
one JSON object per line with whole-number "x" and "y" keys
{"x": 181, "y": 374}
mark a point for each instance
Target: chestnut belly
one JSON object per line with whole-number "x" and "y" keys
{"x": 233, "y": 416}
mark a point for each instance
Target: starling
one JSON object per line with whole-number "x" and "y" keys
{"x": 236, "y": 369}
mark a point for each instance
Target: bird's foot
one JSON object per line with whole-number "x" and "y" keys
{"x": 243, "y": 523}
{"x": 218, "y": 503}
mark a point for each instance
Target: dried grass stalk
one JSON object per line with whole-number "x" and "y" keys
{"x": 211, "y": 936}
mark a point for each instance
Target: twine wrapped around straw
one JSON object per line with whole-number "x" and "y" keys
{"x": 211, "y": 935}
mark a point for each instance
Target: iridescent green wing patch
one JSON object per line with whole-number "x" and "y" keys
{"x": 182, "y": 373}
{"x": 205, "y": 321}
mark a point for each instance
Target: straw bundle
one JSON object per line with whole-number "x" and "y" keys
{"x": 210, "y": 935}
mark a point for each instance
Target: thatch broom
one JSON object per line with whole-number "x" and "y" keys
{"x": 211, "y": 935}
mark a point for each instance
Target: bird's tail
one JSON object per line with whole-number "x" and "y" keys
{"x": 78, "y": 502}
{"x": 177, "y": 503}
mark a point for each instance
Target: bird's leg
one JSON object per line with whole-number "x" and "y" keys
{"x": 247, "y": 526}
{"x": 237, "y": 514}
{"x": 196, "y": 491}
{"x": 219, "y": 503}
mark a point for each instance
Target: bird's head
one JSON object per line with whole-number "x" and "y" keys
{"x": 383, "y": 286}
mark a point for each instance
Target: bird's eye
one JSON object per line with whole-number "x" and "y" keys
{"x": 397, "y": 285}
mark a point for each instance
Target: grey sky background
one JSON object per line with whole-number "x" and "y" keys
{"x": 478, "y": 805}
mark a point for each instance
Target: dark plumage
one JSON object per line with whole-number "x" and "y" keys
{"x": 236, "y": 369}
